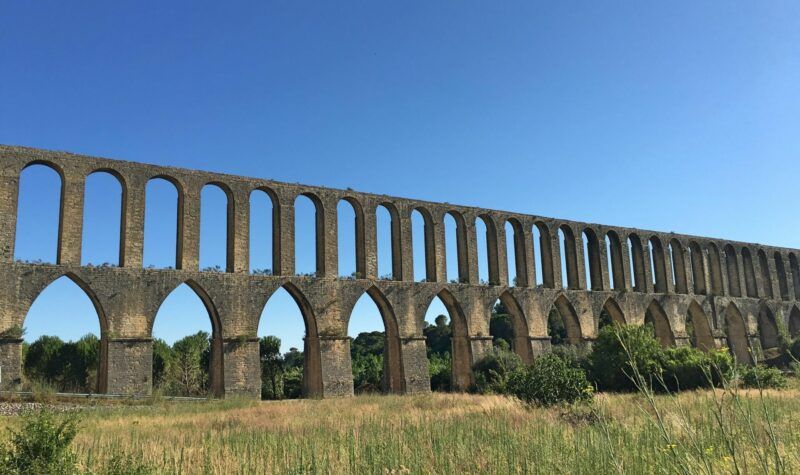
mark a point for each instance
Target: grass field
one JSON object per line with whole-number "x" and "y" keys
{"x": 451, "y": 433}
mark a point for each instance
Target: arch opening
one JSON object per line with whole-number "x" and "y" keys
{"x": 795, "y": 268}
{"x": 79, "y": 362}
{"x": 375, "y": 349}
{"x": 188, "y": 365}
{"x": 163, "y": 226}
{"x": 768, "y": 333}
{"x": 347, "y": 230}
{"x": 766, "y": 275}
{"x": 101, "y": 243}
{"x": 657, "y": 265}
{"x": 456, "y": 248}
{"x": 736, "y": 331}
{"x": 264, "y": 224}
{"x": 509, "y": 329}
{"x": 616, "y": 266}
{"x": 388, "y": 227}
{"x": 636, "y": 255}
{"x": 563, "y": 324}
{"x": 698, "y": 329}
{"x": 751, "y": 284}
{"x": 569, "y": 259}
{"x": 216, "y": 223}
{"x": 715, "y": 269}
{"x": 592, "y": 260}
{"x": 38, "y": 214}
{"x": 780, "y": 269}
{"x": 678, "y": 268}
{"x": 309, "y": 242}
{"x": 732, "y": 267}
{"x": 794, "y": 322}
{"x": 656, "y": 317}
{"x": 424, "y": 247}
{"x": 698, "y": 269}
{"x": 542, "y": 242}
{"x": 289, "y": 353}
{"x": 448, "y": 345}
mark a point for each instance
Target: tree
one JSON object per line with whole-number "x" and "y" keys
{"x": 41, "y": 362}
{"x": 438, "y": 336}
{"x": 272, "y": 367}
{"x": 188, "y": 371}
{"x": 162, "y": 358}
{"x": 556, "y": 328}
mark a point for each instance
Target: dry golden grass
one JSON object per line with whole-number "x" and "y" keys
{"x": 436, "y": 433}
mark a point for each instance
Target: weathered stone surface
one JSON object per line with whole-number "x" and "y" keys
{"x": 733, "y": 292}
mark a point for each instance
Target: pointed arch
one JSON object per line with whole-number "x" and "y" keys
{"x": 393, "y": 380}
{"x": 657, "y": 317}
{"x": 768, "y": 333}
{"x": 521, "y": 343}
{"x": 736, "y": 330}
{"x": 678, "y": 267}
{"x": 614, "y": 312}
{"x": 462, "y": 377}
{"x": 569, "y": 317}
{"x": 216, "y": 362}
{"x": 732, "y": 266}
{"x": 698, "y": 328}
{"x": 312, "y": 361}
{"x": 545, "y": 255}
{"x": 698, "y": 268}
{"x": 616, "y": 262}
{"x": 794, "y": 322}
{"x": 101, "y": 385}
{"x": 593, "y": 259}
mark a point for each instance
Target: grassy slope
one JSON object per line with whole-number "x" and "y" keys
{"x": 440, "y": 433}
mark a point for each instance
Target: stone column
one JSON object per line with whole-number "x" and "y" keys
{"x": 132, "y": 225}
{"x": 441, "y": 254}
{"x": 283, "y": 236}
{"x": 498, "y": 263}
{"x": 530, "y": 263}
{"x": 9, "y": 190}
{"x": 415, "y": 365}
{"x": 327, "y": 240}
{"x": 337, "y": 373}
{"x": 242, "y": 368}
{"x": 188, "y": 255}
{"x": 555, "y": 261}
{"x": 239, "y": 231}
{"x": 470, "y": 240}
{"x": 10, "y": 363}
{"x": 370, "y": 241}
{"x": 540, "y": 345}
{"x": 626, "y": 264}
{"x": 70, "y": 225}
{"x": 130, "y": 366}
{"x": 406, "y": 254}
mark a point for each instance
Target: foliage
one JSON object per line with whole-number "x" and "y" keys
{"x": 555, "y": 328}
{"x": 687, "y": 368}
{"x": 269, "y": 349}
{"x": 188, "y": 371}
{"x": 439, "y": 369}
{"x": 617, "y": 349}
{"x": 367, "y": 374}
{"x": 550, "y": 380}
{"x": 14, "y": 332}
{"x": 127, "y": 464}
{"x": 762, "y": 377}
{"x": 500, "y": 326}
{"x": 162, "y": 358}
{"x": 67, "y": 366}
{"x": 41, "y": 445}
{"x": 493, "y": 371}
{"x": 437, "y": 336}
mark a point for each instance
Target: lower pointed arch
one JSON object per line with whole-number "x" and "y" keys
{"x": 563, "y": 324}
{"x": 658, "y": 319}
{"x": 611, "y": 314}
{"x": 698, "y": 329}
{"x": 461, "y": 378}
{"x": 520, "y": 343}
{"x": 736, "y": 330}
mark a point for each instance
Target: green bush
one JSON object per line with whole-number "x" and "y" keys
{"x": 617, "y": 349}
{"x": 550, "y": 380}
{"x": 761, "y": 376}
{"x": 127, "y": 464}
{"x": 689, "y": 368}
{"x": 439, "y": 369}
{"x": 41, "y": 446}
{"x": 493, "y": 371}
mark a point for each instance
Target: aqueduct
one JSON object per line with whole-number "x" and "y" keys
{"x": 734, "y": 294}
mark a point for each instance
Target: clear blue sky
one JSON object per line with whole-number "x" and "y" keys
{"x": 679, "y": 116}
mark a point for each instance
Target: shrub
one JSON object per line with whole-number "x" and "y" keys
{"x": 42, "y": 445}
{"x": 617, "y": 349}
{"x": 689, "y": 368}
{"x": 127, "y": 464}
{"x": 439, "y": 371}
{"x": 493, "y": 371}
{"x": 760, "y": 376}
{"x": 550, "y": 380}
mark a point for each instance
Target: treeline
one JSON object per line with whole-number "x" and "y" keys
{"x": 63, "y": 366}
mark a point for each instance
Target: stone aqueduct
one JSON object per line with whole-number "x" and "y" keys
{"x": 735, "y": 294}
